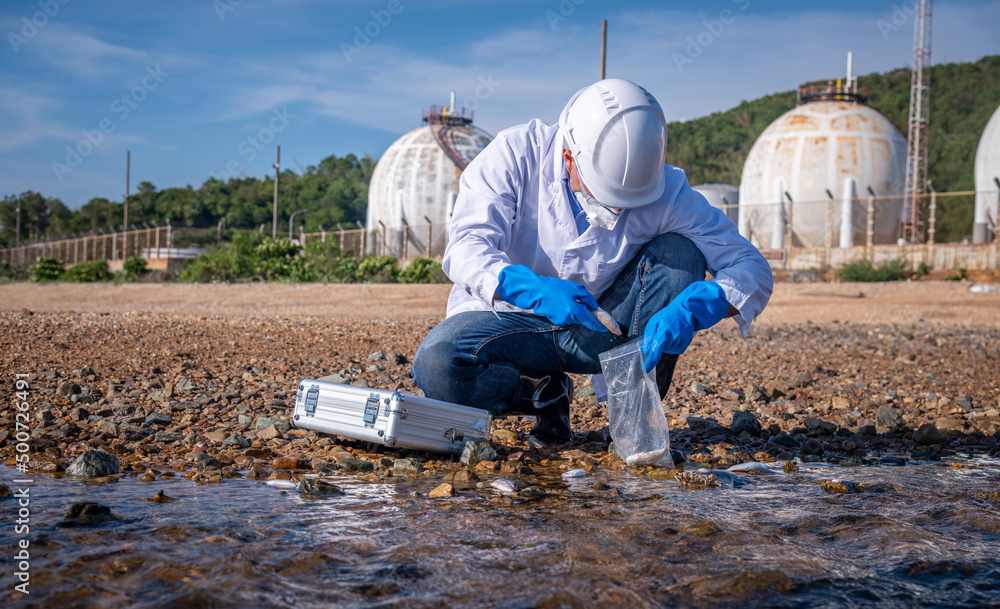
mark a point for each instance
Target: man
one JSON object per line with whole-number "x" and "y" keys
{"x": 552, "y": 222}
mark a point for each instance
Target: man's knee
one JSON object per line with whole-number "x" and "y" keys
{"x": 675, "y": 251}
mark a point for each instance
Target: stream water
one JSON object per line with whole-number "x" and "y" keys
{"x": 924, "y": 535}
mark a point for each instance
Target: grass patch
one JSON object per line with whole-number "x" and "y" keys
{"x": 865, "y": 270}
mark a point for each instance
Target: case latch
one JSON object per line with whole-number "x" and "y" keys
{"x": 312, "y": 398}
{"x": 371, "y": 410}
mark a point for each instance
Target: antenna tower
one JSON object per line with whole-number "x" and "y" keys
{"x": 918, "y": 134}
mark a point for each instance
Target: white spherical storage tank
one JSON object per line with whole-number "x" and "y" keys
{"x": 987, "y": 182}
{"x": 722, "y": 196}
{"x": 809, "y": 172}
{"x": 416, "y": 181}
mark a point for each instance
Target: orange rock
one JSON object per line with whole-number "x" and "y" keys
{"x": 445, "y": 490}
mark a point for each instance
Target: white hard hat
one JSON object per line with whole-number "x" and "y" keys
{"x": 618, "y": 136}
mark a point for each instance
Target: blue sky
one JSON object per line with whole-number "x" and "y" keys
{"x": 200, "y": 88}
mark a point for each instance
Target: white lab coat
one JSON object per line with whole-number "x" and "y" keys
{"x": 512, "y": 208}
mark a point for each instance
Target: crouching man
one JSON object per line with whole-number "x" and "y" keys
{"x": 554, "y": 221}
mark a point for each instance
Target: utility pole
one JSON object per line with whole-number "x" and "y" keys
{"x": 604, "y": 44}
{"x": 274, "y": 221}
{"x": 17, "y": 231}
{"x": 128, "y": 168}
{"x": 916, "y": 156}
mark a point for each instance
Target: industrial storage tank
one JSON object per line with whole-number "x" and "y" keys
{"x": 415, "y": 183}
{"x": 723, "y": 196}
{"x": 984, "y": 228}
{"x": 807, "y": 170}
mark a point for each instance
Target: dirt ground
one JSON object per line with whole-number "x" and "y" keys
{"x": 898, "y": 303}
{"x": 167, "y": 375}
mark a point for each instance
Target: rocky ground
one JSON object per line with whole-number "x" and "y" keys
{"x": 200, "y": 381}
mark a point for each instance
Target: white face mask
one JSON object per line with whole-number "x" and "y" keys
{"x": 597, "y": 215}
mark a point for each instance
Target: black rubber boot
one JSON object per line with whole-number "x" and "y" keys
{"x": 548, "y": 399}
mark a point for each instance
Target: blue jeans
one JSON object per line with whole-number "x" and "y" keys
{"x": 477, "y": 359}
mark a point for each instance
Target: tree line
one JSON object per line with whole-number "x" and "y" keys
{"x": 335, "y": 190}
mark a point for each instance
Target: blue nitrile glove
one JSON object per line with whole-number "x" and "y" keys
{"x": 701, "y": 305}
{"x": 563, "y": 302}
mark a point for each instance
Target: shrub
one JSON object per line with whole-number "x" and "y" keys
{"x": 378, "y": 269}
{"x": 135, "y": 267}
{"x": 423, "y": 270}
{"x": 87, "y": 272}
{"x": 864, "y": 270}
{"x": 10, "y": 272}
{"x": 922, "y": 270}
{"x": 959, "y": 276}
{"x": 47, "y": 269}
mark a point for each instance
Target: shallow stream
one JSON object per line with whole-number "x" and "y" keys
{"x": 925, "y": 535}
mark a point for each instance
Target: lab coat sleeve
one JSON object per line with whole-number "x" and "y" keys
{"x": 738, "y": 266}
{"x": 480, "y": 231}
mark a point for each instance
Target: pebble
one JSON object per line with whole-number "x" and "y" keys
{"x": 575, "y": 473}
{"x": 86, "y": 514}
{"x": 313, "y": 486}
{"x": 94, "y": 464}
{"x": 928, "y": 434}
{"x": 745, "y": 421}
{"x": 442, "y": 491}
{"x": 476, "y": 451}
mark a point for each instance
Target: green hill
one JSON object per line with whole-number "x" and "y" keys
{"x": 963, "y": 97}
{"x": 710, "y": 149}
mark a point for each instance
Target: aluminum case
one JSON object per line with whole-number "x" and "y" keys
{"x": 386, "y": 417}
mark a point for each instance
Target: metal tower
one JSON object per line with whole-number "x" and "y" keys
{"x": 916, "y": 157}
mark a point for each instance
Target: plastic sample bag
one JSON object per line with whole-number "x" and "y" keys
{"x": 635, "y": 415}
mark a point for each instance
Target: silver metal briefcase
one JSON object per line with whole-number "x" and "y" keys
{"x": 388, "y": 417}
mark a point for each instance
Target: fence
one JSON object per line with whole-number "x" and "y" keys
{"x": 151, "y": 242}
{"x": 792, "y": 235}
{"x": 405, "y": 242}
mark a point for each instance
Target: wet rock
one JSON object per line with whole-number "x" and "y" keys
{"x": 532, "y": 493}
{"x": 785, "y": 440}
{"x": 744, "y": 420}
{"x": 698, "y": 479}
{"x": 236, "y": 439}
{"x": 790, "y": 467}
{"x": 278, "y": 423}
{"x": 94, "y": 464}
{"x": 699, "y": 425}
{"x": 926, "y": 456}
{"x": 476, "y": 451}
{"x": 408, "y": 465}
{"x": 851, "y": 462}
{"x": 290, "y": 463}
{"x": 887, "y": 417}
{"x": 462, "y": 476}
{"x": 838, "y": 486}
{"x": 353, "y": 464}
{"x": 928, "y": 434}
{"x": 86, "y": 514}
{"x": 504, "y": 435}
{"x": 867, "y": 430}
{"x": 893, "y": 461}
{"x": 812, "y": 446}
{"x": 4, "y": 491}
{"x": 313, "y": 486}
{"x": 818, "y": 427}
{"x": 702, "y": 528}
{"x": 161, "y": 497}
{"x": 442, "y": 491}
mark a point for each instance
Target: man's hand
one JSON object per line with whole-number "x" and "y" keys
{"x": 701, "y": 305}
{"x": 563, "y": 302}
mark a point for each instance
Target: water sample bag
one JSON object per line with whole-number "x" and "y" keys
{"x": 636, "y": 420}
